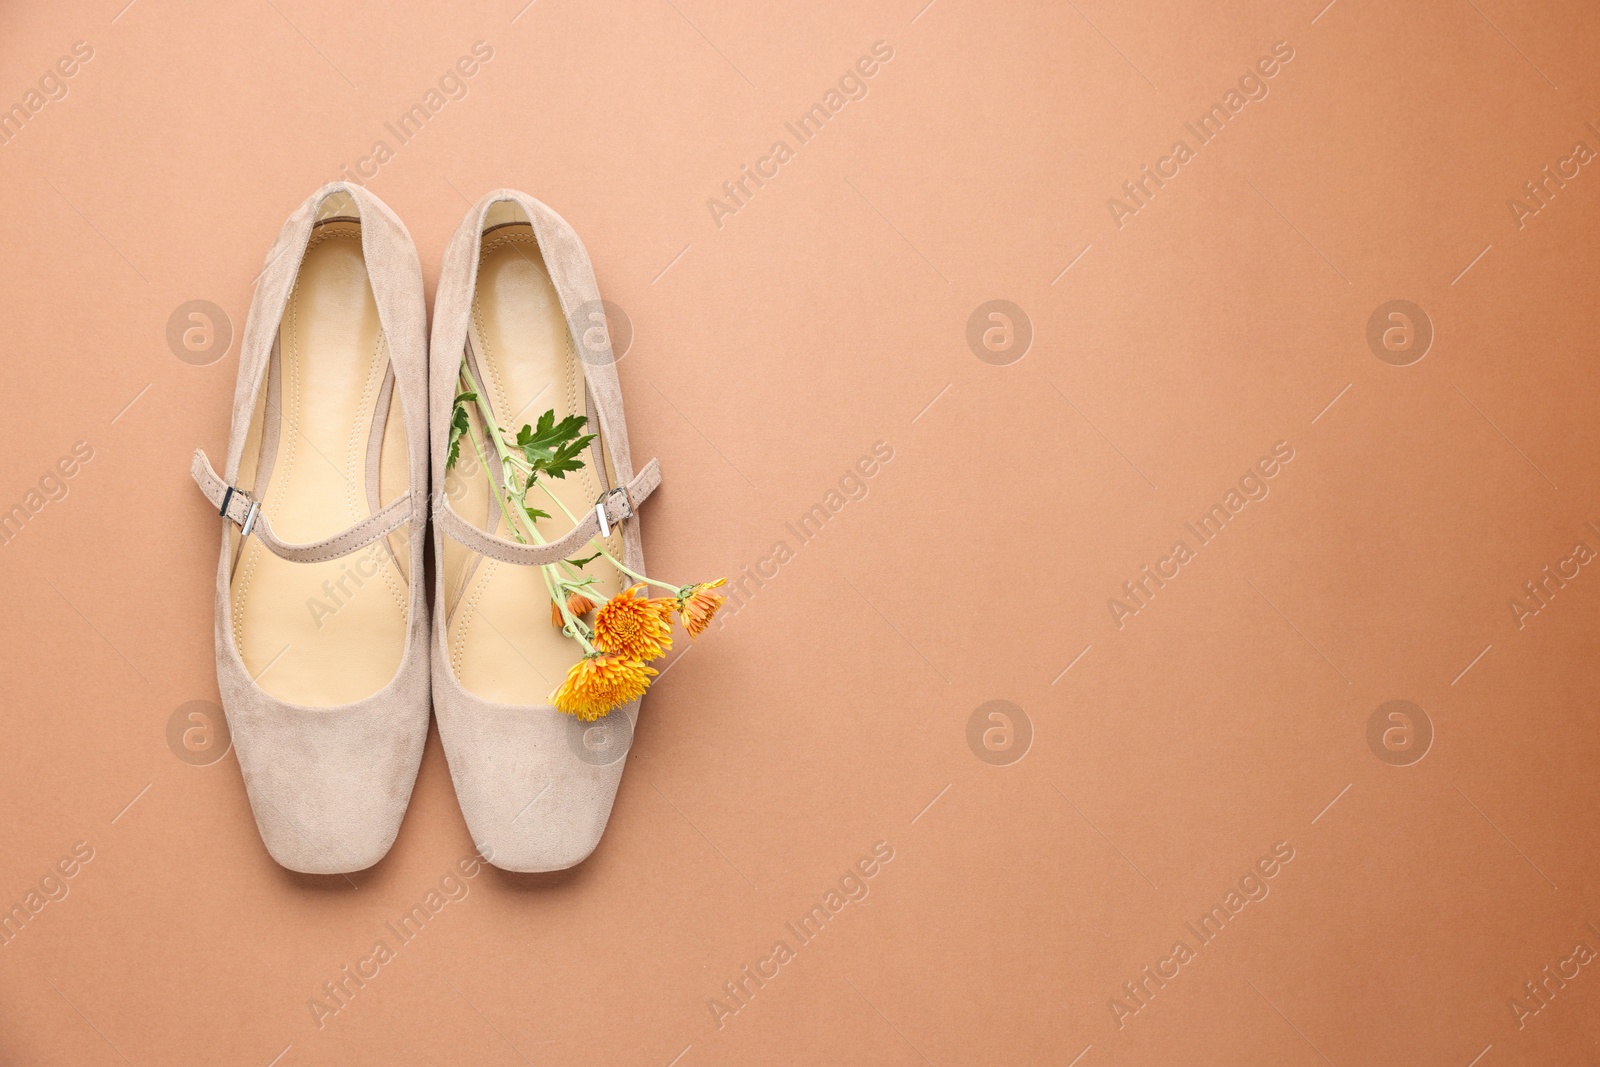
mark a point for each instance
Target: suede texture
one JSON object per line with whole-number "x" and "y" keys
{"x": 454, "y": 526}
{"x": 535, "y": 798}
{"x": 329, "y": 785}
{"x": 383, "y": 522}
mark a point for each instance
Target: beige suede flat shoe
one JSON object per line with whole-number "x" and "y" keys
{"x": 321, "y": 621}
{"x": 535, "y": 785}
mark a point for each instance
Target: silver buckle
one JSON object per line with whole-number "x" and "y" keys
{"x": 600, "y": 509}
{"x": 249, "y": 516}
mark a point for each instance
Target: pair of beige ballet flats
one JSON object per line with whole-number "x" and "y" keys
{"x": 328, "y": 657}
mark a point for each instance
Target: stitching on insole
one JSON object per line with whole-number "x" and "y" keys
{"x": 469, "y": 614}
{"x": 356, "y": 466}
{"x": 485, "y": 362}
{"x": 478, "y": 579}
{"x": 288, "y": 444}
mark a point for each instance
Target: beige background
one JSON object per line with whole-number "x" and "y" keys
{"x": 827, "y": 314}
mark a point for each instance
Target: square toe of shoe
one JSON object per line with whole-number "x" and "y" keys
{"x": 535, "y": 788}
{"x": 330, "y": 787}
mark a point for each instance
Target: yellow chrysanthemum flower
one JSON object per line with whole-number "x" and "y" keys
{"x": 577, "y": 603}
{"x": 634, "y": 625}
{"x": 699, "y": 604}
{"x": 600, "y": 682}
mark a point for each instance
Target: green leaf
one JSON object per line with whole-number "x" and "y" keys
{"x": 535, "y": 514}
{"x": 581, "y": 563}
{"x": 459, "y": 424}
{"x": 551, "y": 447}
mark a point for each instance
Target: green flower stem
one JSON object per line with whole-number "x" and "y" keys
{"x": 573, "y": 627}
{"x": 586, "y": 588}
{"x": 601, "y": 546}
{"x": 492, "y": 428}
{"x": 484, "y": 463}
{"x": 508, "y": 460}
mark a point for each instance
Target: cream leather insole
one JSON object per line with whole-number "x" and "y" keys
{"x": 323, "y": 634}
{"x": 501, "y": 644}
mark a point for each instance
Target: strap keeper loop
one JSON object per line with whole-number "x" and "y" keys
{"x": 249, "y": 520}
{"x": 250, "y": 514}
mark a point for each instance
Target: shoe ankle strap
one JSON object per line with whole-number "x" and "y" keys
{"x": 241, "y": 508}
{"x": 615, "y": 504}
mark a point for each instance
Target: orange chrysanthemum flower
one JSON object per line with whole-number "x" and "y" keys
{"x": 599, "y": 682}
{"x": 577, "y": 603}
{"x": 698, "y": 604}
{"x": 634, "y": 625}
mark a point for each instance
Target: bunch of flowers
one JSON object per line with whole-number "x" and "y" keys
{"x": 628, "y": 630}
